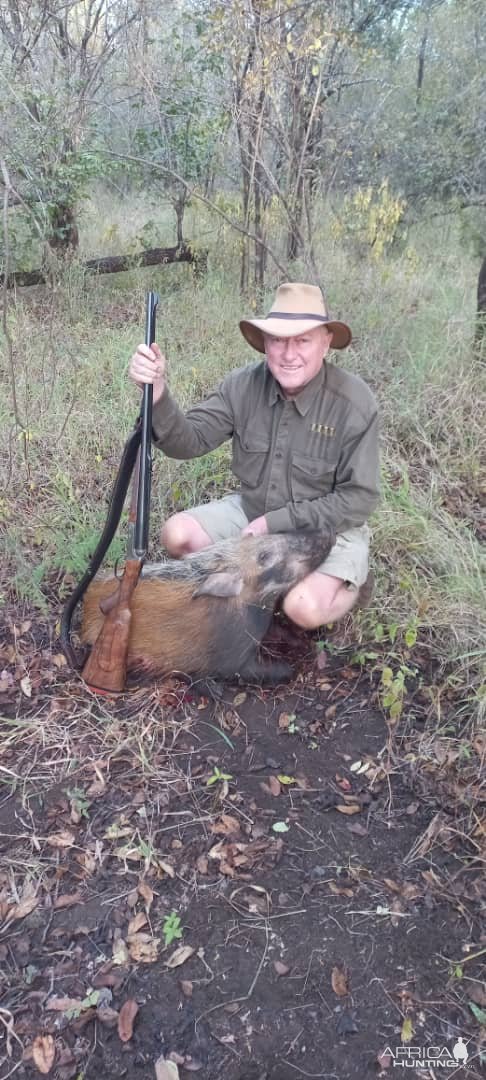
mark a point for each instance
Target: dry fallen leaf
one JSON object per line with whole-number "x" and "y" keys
{"x": 186, "y": 987}
{"x": 144, "y": 948}
{"x": 136, "y": 924}
{"x": 274, "y": 785}
{"x": 358, "y": 829}
{"x": 477, "y": 994}
{"x": 67, "y": 900}
{"x": 166, "y": 1070}
{"x": 44, "y": 1053}
{"x": 147, "y": 894}
{"x": 26, "y": 686}
{"x": 23, "y": 908}
{"x": 397, "y": 910}
{"x": 126, "y": 1019}
{"x": 280, "y": 967}
{"x": 120, "y": 952}
{"x": 339, "y": 890}
{"x": 180, "y": 956}
{"x": 226, "y": 825}
{"x": 64, "y": 1004}
{"x": 63, "y": 839}
{"x": 348, "y": 808}
{"x": 166, "y": 867}
{"x": 339, "y": 982}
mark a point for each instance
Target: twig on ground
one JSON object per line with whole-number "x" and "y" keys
{"x": 328, "y": 1076}
{"x": 7, "y": 1020}
{"x": 244, "y": 997}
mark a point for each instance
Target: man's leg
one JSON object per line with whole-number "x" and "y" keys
{"x": 330, "y": 592}
{"x": 318, "y": 599}
{"x": 195, "y": 529}
{"x": 181, "y": 534}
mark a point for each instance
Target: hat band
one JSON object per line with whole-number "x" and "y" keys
{"x": 299, "y": 315}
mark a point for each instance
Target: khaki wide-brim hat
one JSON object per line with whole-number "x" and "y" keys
{"x": 297, "y": 309}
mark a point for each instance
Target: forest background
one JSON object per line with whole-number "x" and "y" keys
{"x": 235, "y": 144}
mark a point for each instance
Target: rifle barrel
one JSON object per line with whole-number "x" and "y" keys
{"x": 145, "y": 473}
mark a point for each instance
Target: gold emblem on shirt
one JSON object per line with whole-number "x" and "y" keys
{"x": 323, "y": 429}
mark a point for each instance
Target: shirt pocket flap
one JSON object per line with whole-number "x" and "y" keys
{"x": 250, "y": 452}
{"x": 312, "y": 476}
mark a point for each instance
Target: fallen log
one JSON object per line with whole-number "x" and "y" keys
{"x": 116, "y": 264}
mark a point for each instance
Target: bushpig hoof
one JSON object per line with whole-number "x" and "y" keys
{"x": 270, "y": 672}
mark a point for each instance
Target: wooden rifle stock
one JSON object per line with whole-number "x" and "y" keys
{"x": 106, "y": 667}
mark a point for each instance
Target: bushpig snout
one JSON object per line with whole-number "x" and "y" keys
{"x": 284, "y": 559}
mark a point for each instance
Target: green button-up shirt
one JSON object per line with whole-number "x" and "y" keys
{"x": 305, "y": 463}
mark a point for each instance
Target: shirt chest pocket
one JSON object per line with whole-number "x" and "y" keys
{"x": 250, "y": 453}
{"x": 311, "y": 477}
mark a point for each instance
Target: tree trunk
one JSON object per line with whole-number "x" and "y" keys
{"x": 480, "y": 334}
{"x": 115, "y": 264}
{"x": 421, "y": 64}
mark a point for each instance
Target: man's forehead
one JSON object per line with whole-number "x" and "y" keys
{"x": 296, "y": 337}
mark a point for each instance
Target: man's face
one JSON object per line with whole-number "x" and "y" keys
{"x": 294, "y": 361}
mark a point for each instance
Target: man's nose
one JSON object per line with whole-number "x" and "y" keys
{"x": 290, "y": 348}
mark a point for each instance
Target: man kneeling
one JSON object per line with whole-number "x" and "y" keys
{"x": 304, "y": 448}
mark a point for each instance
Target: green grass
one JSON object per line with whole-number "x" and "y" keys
{"x": 413, "y": 321}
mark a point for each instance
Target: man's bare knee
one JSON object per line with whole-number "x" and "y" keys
{"x": 181, "y": 534}
{"x": 311, "y": 607}
{"x": 302, "y": 609}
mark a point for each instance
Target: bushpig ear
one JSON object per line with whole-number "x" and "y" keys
{"x": 221, "y": 584}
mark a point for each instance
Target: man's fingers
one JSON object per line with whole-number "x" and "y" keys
{"x": 151, "y": 352}
{"x": 143, "y": 378}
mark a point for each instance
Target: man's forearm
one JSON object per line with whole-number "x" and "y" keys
{"x": 339, "y": 510}
{"x": 190, "y": 434}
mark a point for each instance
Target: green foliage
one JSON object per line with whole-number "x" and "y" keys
{"x": 393, "y": 691}
{"x": 172, "y": 928}
{"x": 79, "y": 801}
{"x": 217, "y": 777}
{"x": 370, "y": 220}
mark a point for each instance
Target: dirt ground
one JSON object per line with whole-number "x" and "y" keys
{"x": 315, "y": 870}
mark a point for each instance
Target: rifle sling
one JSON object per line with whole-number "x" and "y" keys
{"x": 115, "y": 509}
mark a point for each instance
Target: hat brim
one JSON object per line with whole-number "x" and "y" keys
{"x": 254, "y": 329}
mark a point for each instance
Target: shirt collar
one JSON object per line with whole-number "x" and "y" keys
{"x": 304, "y": 400}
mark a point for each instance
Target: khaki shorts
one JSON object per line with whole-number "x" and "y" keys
{"x": 348, "y": 559}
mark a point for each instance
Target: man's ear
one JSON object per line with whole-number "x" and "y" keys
{"x": 222, "y": 584}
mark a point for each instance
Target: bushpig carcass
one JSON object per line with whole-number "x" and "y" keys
{"x": 206, "y": 614}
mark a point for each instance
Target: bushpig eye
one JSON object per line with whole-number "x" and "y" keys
{"x": 264, "y": 557}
